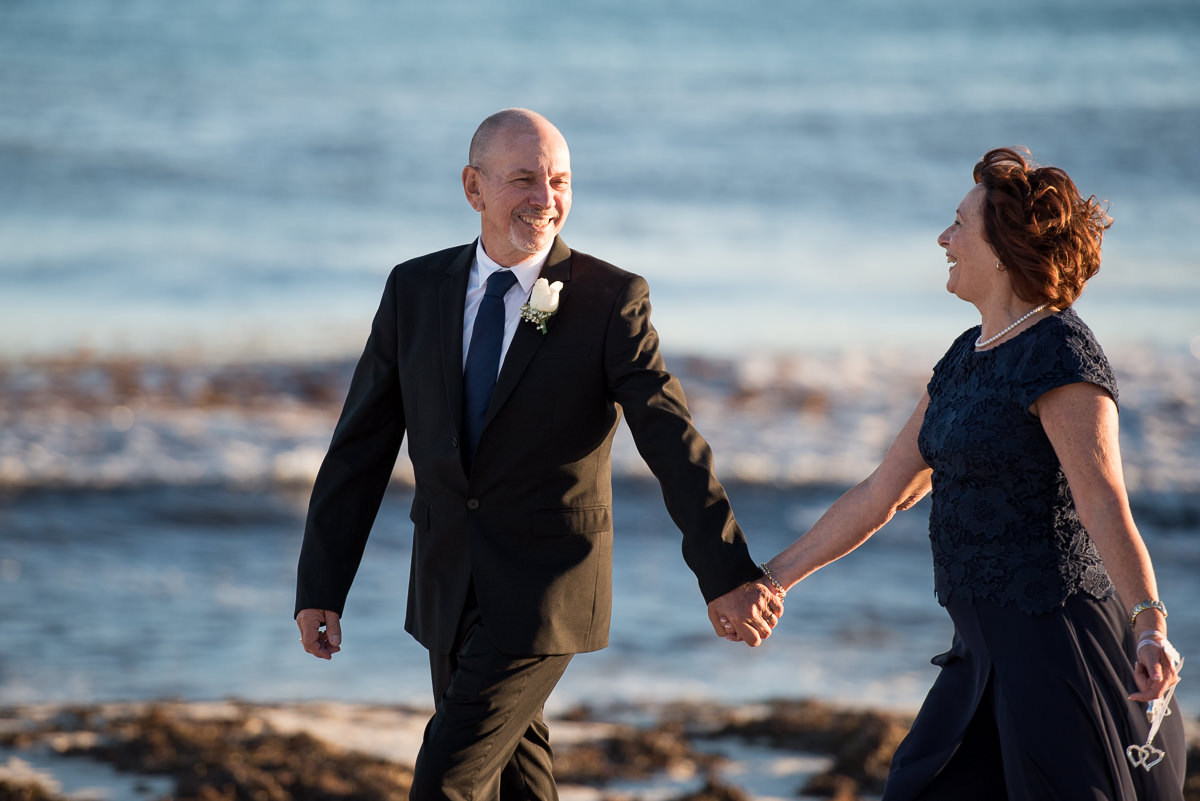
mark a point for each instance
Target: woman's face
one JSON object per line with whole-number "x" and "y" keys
{"x": 973, "y": 273}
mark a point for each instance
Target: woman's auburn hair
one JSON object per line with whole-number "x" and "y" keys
{"x": 1046, "y": 234}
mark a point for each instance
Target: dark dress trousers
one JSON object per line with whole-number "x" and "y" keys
{"x": 529, "y": 530}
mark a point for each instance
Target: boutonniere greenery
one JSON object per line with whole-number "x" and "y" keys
{"x": 543, "y": 303}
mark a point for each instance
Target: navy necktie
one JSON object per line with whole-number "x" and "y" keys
{"x": 483, "y": 359}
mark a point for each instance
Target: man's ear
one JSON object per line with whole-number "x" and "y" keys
{"x": 471, "y": 188}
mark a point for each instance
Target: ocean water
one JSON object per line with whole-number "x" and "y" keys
{"x": 164, "y": 592}
{"x": 152, "y": 515}
{"x": 232, "y": 181}
{"x": 199, "y": 205}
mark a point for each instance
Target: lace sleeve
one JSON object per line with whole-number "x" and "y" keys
{"x": 1065, "y": 353}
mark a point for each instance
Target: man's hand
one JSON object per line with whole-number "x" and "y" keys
{"x": 320, "y": 632}
{"x": 746, "y": 614}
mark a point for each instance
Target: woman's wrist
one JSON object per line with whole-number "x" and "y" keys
{"x": 1151, "y": 638}
{"x": 1148, "y": 627}
{"x": 1156, "y": 642}
{"x": 780, "y": 590}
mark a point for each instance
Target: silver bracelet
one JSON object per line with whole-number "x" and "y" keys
{"x": 1143, "y": 606}
{"x": 779, "y": 590}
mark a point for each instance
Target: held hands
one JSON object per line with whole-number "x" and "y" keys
{"x": 320, "y": 632}
{"x": 746, "y": 614}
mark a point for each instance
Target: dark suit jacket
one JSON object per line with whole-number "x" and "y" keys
{"x": 531, "y": 526}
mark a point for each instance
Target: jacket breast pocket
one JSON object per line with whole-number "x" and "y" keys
{"x": 565, "y": 522}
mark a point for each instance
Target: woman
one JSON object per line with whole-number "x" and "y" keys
{"x": 1050, "y": 671}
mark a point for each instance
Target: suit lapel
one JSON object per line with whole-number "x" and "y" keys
{"x": 451, "y": 300}
{"x": 529, "y": 337}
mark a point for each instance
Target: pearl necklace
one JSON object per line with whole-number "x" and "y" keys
{"x": 981, "y": 342}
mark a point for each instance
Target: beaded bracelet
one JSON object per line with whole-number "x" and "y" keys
{"x": 1143, "y": 606}
{"x": 779, "y": 590}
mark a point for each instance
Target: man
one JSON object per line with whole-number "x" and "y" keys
{"x": 512, "y": 550}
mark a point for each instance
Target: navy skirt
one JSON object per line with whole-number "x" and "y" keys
{"x": 1036, "y": 707}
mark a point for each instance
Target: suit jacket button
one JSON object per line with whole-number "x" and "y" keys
{"x": 473, "y": 504}
{"x": 453, "y": 441}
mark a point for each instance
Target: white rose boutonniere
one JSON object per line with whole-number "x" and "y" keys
{"x": 543, "y": 303}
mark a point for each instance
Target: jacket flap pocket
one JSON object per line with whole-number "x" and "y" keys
{"x": 562, "y": 522}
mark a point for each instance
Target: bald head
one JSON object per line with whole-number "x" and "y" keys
{"x": 506, "y": 123}
{"x": 519, "y": 180}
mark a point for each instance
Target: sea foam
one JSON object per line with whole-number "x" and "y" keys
{"x": 802, "y": 419}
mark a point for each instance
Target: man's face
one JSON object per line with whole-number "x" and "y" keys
{"x": 522, "y": 190}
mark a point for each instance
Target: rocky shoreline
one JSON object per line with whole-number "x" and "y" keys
{"x": 304, "y": 752}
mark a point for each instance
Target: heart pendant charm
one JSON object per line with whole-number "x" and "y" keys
{"x": 1144, "y": 756}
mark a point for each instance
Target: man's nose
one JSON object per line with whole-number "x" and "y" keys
{"x": 542, "y": 194}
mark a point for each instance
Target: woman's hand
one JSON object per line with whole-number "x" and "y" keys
{"x": 1156, "y": 669}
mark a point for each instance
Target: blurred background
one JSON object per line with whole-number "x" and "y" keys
{"x": 199, "y": 205}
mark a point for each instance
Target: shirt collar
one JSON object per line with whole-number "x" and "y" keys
{"x": 526, "y": 272}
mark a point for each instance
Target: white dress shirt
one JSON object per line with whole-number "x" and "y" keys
{"x": 526, "y": 272}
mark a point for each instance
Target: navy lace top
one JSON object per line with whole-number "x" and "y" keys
{"x": 1003, "y": 524}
